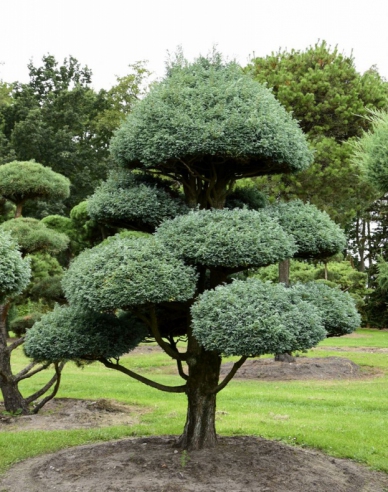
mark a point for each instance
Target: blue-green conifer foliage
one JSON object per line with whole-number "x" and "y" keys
{"x": 238, "y": 238}
{"x": 93, "y": 335}
{"x": 127, "y": 272}
{"x": 338, "y": 309}
{"x": 15, "y": 271}
{"x": 254, "y": 318}
{"x": 315, "y": 234}
{"x": 210, "y": 108}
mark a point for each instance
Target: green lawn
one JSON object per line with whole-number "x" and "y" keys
{"x": 343, "y": 418}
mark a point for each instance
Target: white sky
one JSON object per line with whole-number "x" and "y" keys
{"x": 108, "y": 36}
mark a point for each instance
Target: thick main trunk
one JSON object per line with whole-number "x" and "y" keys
{"x": 208, "y": 187}
{"x": 200, "y": 429}
{"x": 13, "y": 399}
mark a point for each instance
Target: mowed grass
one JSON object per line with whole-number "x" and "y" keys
{"x": 344, "y": 418}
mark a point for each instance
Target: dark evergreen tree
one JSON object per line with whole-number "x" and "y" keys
{"x": 331, "y": 100}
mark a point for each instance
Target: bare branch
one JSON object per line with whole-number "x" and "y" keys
{"x": 45, "y": 388}
{"x": 141, "y": 316}
{"x": 193, "y": 173}
{"x": 181, "y": 372}
{"x": 158, "y": 337}
{"x": 16, "y": 344}
{"x": 229, "y": 377}
{"x": 142, "y": 379}
{"x": 25, "y": 374}
{"x": 4, "y": 375}
{"x": 58, "y": 371}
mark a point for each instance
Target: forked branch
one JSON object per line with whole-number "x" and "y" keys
{"x": 27, "y": 373}
{"x": 142, "y": 379}
{"x": 229, "y": 377}
{"x": 15, "y": 344}
{"x": 158, "y": 337}
{"x": 58, "y": 371}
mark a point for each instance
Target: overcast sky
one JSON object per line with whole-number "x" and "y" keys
{"x": 109, "y": 35}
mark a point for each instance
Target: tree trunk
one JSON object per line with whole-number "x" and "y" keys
{"x": 286, "y": 357}
{"x": 13, "y": 399}
{"x": 200, "y": 429}
{"x": 284, "y": 272}
{"x": 284, "y": 278}
{"x": 3, "y": 318}
{"x": 361, "y": 247}
{"x": 326, "y": 271}
{"x": 19, "y": 209}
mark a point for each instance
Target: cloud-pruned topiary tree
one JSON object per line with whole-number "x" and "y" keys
{"x": 32, "y": 235}
{"x": 21, "y": 181}
{"x": 15, "y": 274}
{"x": 97, "y": 335}
{"x": 255, "y": 318}
{"x": 14, "y": 277}
{"x": 316, "y": 236}
{"x": 207, "y": 125}
{"x": 203, "y": 127}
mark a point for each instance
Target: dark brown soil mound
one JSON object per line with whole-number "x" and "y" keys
{"x": 152, "y": 465}
{"x": 302, "y": 368}
{"x": 70, "y": 413}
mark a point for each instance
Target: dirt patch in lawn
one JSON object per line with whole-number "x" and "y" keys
{"x": 302, "y": 368}
{"x": 237, "y": 464}
{"x": 369, "y": 350}
{"x": 69, "y": 413}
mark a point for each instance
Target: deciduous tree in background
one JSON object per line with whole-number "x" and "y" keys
{"x": 59, "y": 120}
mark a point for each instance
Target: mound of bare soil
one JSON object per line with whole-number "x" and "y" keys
{"x": 302, "y": 368}
{"x": 153, "y": 465}
{"x": 69, "y": 413}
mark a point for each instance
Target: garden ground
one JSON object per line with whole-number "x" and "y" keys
{"x": 153, "y": 464}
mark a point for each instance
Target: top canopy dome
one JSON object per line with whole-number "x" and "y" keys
{"x": 210, "y": 118}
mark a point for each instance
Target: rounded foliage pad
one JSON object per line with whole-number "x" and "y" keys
{"x": 74, "y": 333}
{"x": 233, "y": 239}
{"x": 124, "y": 199}
{"x": 126, "y": 272}
{"x": 210, "y": 108}
{"x": 252, "y": 318}
{"x": 20, "y": 181}
{"x": 14, "y": 270}
{"x": 33, "y": 235}
{"x": 315, "y": 234}
{"x": 339, "y": 313}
